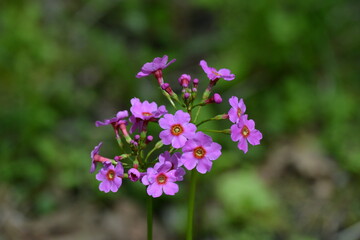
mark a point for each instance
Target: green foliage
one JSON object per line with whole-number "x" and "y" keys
{"x": 65, "y": 64}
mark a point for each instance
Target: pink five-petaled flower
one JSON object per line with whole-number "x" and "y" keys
{"x": 237, "y": 110}
{"x": 151, "y": 67}
{"x": 144, "y": 112}
{"x": 115, "y": 121}
{"x": 178, "y": 129}
{"x": 200, "y": 151}
{"x": 97, "y": 158}
{"x": 175, "y": 163}
{"x": 245, "y": 131}
{"x": 161, "y": 179}
{"x": 110, "y": 177}
{"x": 214, "y": 74}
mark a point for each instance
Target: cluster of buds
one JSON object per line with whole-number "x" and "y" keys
{"x": 184, "y": 146}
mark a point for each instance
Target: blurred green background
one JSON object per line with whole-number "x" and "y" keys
{"x": 66, "y": 64}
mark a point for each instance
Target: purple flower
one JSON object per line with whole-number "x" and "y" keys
{"x": 134, "y": 174}
{"x": 214, "y": 74}
{"x": 175, "y": 163}
{"x": 244, "y": 131}
{"x": 151, "y": 67}
{"x": 200, "y": 151}
{"x": 237, "y": 110}
{"x": 115, "y": 120}
{"x": 160, "y": 179}
{"x": 110, "y": 177}
{"x": 144, "y": 112}
{"x": 178, "y": 129}
{"x": 97, "y": 158}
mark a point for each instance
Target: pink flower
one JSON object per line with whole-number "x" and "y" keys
{"x": 199, "y": 152}
{"x": 115, "y": 121}
{"x": 110, "y": 177}
{"x": 134, "y": 174}
{"x": 175, "y": 163}
{"x": 97, "y": 158}
{"x": 143, "y": 113}
{"x": 178, "y": 129}
{"x": 244, "y": 131}
{"x": 237, "y": 110}
{"x": 214, "y": 74}
{"x": 161, "y": 179}
{"x": 151, "y": 67}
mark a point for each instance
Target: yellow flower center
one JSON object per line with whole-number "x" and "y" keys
{"x": 176, "y": 129}
{"x": 147, "y": 114}
{"x": 245, "y": 131}
{"x": 110, "y": 175}
{"x": 161, "y": 178}
{"x": 199, "y": 152}
{"x": 239, "y": 112}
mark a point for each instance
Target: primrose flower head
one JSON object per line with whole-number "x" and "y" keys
{"x": 178, "y": 129}
{"x": 144, "y": 112}
{"x": 237, "y": 110}
{"x": 115, "y": 121}
{"x": 199, "y": 152}
{"x": 244, "y": 131}
{"x": 214, "y": 74}
{"x": 151, "y": 67}
{"x": 161, "y": 179}
{"x": 110, "y": 177}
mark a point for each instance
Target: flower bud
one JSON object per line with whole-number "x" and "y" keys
{"x": 149, "y": 139}
{"x": 184, "y": 80}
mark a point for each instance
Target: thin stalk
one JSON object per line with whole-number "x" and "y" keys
{"x": 197, "y": 114}
{"x": 226, "y": 131}
{"x": 190, "y": 219}
{"x": 149, "y": 208}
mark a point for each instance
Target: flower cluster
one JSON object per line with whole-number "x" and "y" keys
{"x": 187, "y": 147}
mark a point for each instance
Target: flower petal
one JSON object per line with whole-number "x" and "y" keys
{"x": 170, "y": 188}
{"x": 243, "y": 145}
{"x": 204, "y": 166}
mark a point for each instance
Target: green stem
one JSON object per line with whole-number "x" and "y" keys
{"x": 190, "y": 219}
{"x": 197, "y": 114}
{"x": 149, "y": 208}
{"x": 226, "y": 131}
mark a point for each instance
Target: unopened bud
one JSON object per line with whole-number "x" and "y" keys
{"x": 184, "y": 80}
{"x": 149, "y": 139}
{"x": 166, "y": 87}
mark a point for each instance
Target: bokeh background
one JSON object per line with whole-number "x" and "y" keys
{"x": 66, "y": 64}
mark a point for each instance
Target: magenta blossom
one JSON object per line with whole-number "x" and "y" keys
{"x": 175, "y": 163}
{"x": 110, "y": 177}
{"x": 214, "y": 74}
{"x": 160, "y": 179}
{"x": 199, "y": 152}
{"x": 151, "y": 67}
{"x": 97, "y": 158}
{"x": 134, "y": 174}
{"x": 185, "y": 80}
{"x": 237, "y": 110}
{"x": 244, "y": 131}
{"x": 115, "y": 120}
{"x": 178, "y": 129}
{"x": 143, "y": 113}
